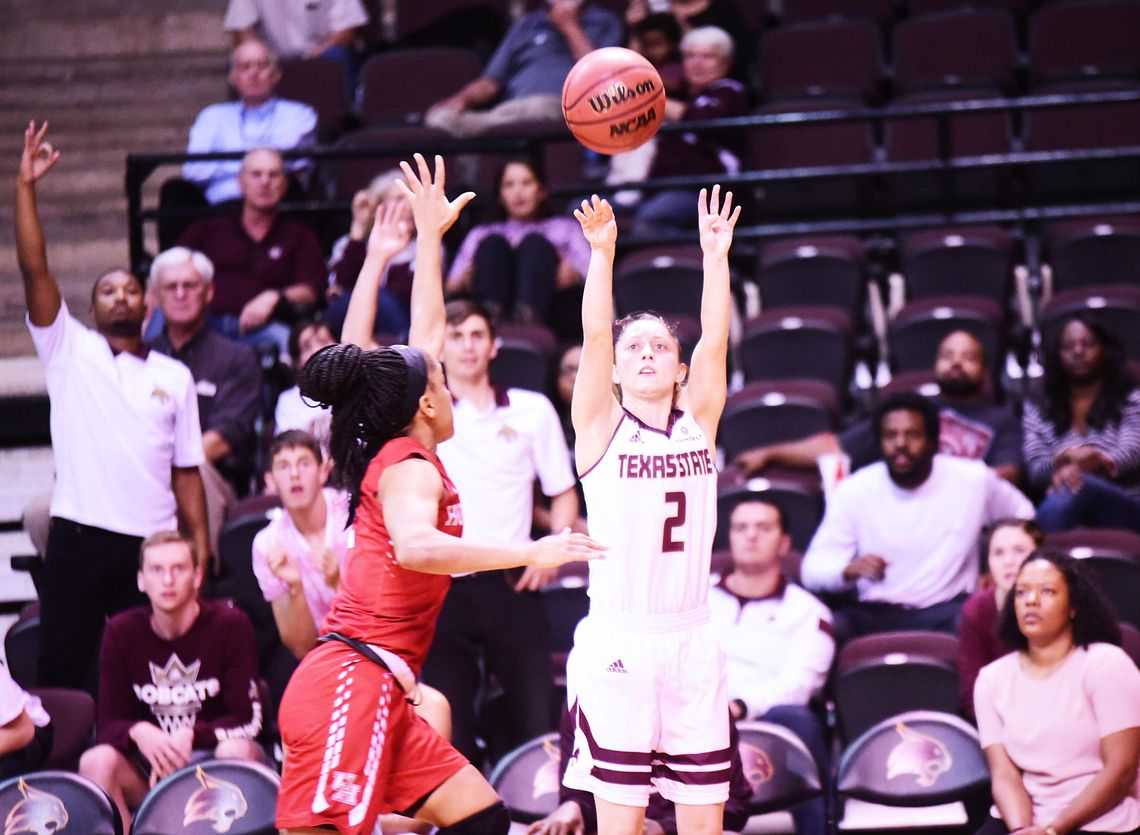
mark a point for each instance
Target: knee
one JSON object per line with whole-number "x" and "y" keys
{"x": 493, "y": 246}
{"x": 536, "y": 243}
{"x": 239, "y": 749}
{"x": 100, "y": 763}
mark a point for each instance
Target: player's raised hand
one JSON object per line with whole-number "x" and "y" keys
{"x": 433, "y": 212}
{"x": 715, "y": 221}
{"x": 39, "y": 157}
{"x": 598, "y": 224}
{"x": 558, "y": 548}
{"x": 391, "y": 230}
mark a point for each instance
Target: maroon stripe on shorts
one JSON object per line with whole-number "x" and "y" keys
{"x": 609, "y": 755}
{"x": 621, "y": 778}
{"x": 692, "y": 778}
{"x": 707, "y": 758}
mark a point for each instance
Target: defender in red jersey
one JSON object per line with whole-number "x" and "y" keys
{"x": 354, "y": 745}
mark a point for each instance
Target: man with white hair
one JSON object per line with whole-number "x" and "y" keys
{"x": 226, "y": 374}
{"x": 257, "y": 118}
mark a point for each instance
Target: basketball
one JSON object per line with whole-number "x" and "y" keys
{"x": 613, "y": 100}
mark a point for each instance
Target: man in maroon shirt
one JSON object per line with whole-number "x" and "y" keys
{"x": 177, "y": 680}
{"x": 261, "y": 259}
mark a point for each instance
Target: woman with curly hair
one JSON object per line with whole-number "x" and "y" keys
{"x": 354, "y": 745}
{"x": 1059, "y": 719}
{"x": 1081, "y": 440}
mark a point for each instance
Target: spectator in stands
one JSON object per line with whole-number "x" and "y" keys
{"x": 177, "y": 680}
{"x": 694, "y": 14}
{"x": 306, "y": 338}
{"x": 298, "y": 555}
{"x": 267, "y": 266}
{"x": 657, "y": 36}
{"x": 393, "y": 301}
{"x": 526, "y": 73}
{"x": 516, "y": 267}
{"x": 1060, "y": 718}
{"x": 577, "y": 813}
{"x": 256, "y": 119}
{"x": 901, "y": 535}
{"x": 504, "y": 440}
{"x": 226, "y": 376}
{"x": 25, "y": 729}
{"x": 1082, "y": 434}
{"x": 125, "y": 441}
{"x": 1005, "y": 545}
{"x": 315, "y": 29}
{"x": 776, "y": 639}
{"x": 971, "y": 425}
{"x": 567, "y": 374}
{"x": 706, "y": 57}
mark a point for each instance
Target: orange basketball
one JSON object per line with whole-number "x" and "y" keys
{"x": 613, "y": 100}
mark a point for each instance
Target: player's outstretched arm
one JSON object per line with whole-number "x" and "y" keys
{"x": 41, "y": 290}
{"x": 594, "y": 410}
{"x": 434, "y": 214}
{"x": 390, "y": 234}
{"x": 410, "y": 492}
{"x": 707, "y": 387}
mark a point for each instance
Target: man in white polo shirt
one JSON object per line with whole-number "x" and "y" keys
{"x": 504, "y": 439}
{"x": 125, "y": 438}
{"x": 901, "y": 535}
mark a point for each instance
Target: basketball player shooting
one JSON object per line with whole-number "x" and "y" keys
{"x": 646, "y": 675}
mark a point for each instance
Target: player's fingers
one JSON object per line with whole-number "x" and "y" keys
{"x": 41, "y": 132}
{"x": 425, "y": 174}
{"x": 714, "y": 200}
{"x": 410, "y": 176}
{"x": 735, "y": 217}
{"x": 462, "y": 200}
{"x": 440, "y": 171}
{"x": 703, "y": 202}
{"x": 726, "y": 208}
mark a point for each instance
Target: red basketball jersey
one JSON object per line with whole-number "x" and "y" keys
{"x": 379, "y": 602}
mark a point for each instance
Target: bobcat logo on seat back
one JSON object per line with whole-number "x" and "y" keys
{"x": 758, "y": 768}
{"x": 39, "y": 813}
{"x": 218, "y": 801}
{"x": 546, "y": 780}
{"x": 923, "y": 756}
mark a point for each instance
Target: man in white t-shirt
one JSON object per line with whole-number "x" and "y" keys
{"x": 504, "y": 439}
{"x": 901, "y": 535}
{"x": 776, "y": 638}
{"x": 125, "y": 437}
{"x": 313, "y": 29}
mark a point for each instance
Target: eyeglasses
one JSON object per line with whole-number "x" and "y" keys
{"x": 174, "y": 288}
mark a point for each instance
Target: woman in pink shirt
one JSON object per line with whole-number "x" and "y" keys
{"x": 1060, "y": 718}
{"x": 1005, "y": 545}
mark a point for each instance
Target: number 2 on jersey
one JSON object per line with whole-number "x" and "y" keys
{"x": 668, "y": 543}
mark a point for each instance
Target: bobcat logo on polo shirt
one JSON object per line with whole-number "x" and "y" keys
{"x": 159, "y": 394}
{"x": 40, "y": 812}
{"x": 217, "y": 802}
{"x": 919, "y": 754}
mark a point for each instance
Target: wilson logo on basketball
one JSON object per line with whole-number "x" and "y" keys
{"x": 620, "y": 94}
{"x": 923, "y": 756}
{"x": 38, "y": 812}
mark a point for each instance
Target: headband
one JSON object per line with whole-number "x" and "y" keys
{"x": 417, "y": 380}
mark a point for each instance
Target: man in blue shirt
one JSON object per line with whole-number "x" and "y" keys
{"x": 526, "y": 72}
{"x": 257, "y": 119}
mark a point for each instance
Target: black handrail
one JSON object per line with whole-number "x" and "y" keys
{"x": 140, "y": 166}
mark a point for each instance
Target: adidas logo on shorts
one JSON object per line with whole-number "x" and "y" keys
{"x": 617, "y": 667}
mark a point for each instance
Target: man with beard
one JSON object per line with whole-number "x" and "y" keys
{"x": 972, "y": 425}
{"x": 125, "y": 438}
{"x": 899, "y": 537}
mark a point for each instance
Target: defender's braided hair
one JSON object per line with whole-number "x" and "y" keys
{"x": 367, "y": 391}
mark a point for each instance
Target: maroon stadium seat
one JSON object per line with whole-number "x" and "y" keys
{"x": 775, "y": 411}
{"x": 972, "y": 261}
{"x": 799, "y": 11}
{"x": 917, "y": 330}
{"x": 398, "y": 86}
{"x": 798, "y": 343}
{"x": 826, "y": 271}
{"x": 321, "y": 83}
{"x": 1079, "y": 39}
{"x": 928, "y": 50}
{"x": 1094, "y": 252}
{"x": 822, "y": 58}
{"x": 1116, "y": 307}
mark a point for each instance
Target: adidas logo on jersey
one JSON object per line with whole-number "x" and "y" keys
{"x": 617, "y": 667}
{"x": 635, "y": 438}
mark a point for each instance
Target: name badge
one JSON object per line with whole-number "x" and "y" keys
{"x": 206, "y": 388}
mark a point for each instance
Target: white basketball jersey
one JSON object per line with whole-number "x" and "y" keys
{"x": 652, "y": 500}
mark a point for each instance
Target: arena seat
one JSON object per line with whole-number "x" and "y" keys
{"x": 72, "y": 715}
{"x": 1114, "y": 558}
{"x": 672, "y": 289}
{"x": 928, "y": 50}
{"x": 344, "y": 177}
{"x": 1094, "y": 252}
{"x": 413, "y": 16}
{"x": 774, "y": 411}
{"x": 877, "y": 676}
{"x": 396, "y": 87}
{"x": 527, "y": 779}
{"x": 921, "y": 381}
{"x": 798, "y": 495}
{"x": 798, "y": 343}
{"x": 1117, "y": 308}
{"x": 48, "y": 801}
{"x": 321, "y": 83}
{"x": 525, "y": 357}
{"x": 22, "y": 647}
{"x": 799, "y": 11}
{"x": 822, "y": 58}
{"x": 915, "y": 759}
{"x": 971, "y": 261}
{"x": 917, "y": 330}
{"x": 826, "y": 271}
{"x": 234, "y": 796}
{"x": 780, "y": 769}
{"x": 1077, "y": 39}
{"x": 924, "y": 7}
